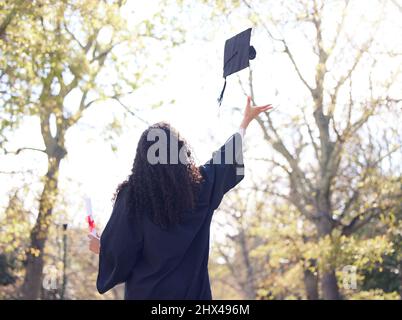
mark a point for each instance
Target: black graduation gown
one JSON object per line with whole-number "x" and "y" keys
{"x": 156, "y": 263}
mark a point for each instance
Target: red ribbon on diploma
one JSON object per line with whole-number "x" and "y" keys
{"x": 91, "y": 223}
{"x": 90, "y": 219}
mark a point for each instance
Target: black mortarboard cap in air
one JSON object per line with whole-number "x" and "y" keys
{"x": 237, "y": 55}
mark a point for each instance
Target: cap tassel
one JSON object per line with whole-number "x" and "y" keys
{"x": 222, "y": 92}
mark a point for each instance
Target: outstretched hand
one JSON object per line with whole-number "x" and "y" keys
{"x": 252, "y": 112}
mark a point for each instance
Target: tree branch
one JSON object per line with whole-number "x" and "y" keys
{"x": 396, "y": 4}
{"x": 73, "y": 36}
{"x": 339, "y": 27}
{"x": 16, "y": 172}
{"x": 16, "y": 152}
{"x": 348, "y": 73}
{"x": 284, "y": 43}
{"x": 310, "y": 133}
{"x": 362, "y": 219}
{"x": 9, "y": 18}
{"x": 130, "y": 111}
{"x": 290, "y": 55}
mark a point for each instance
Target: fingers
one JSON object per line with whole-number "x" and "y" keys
{"x": 264, "y": 108}
{"x": 268, "y": 106}
{"x": 248, "y": 101}
{"x": 91, "y": 236}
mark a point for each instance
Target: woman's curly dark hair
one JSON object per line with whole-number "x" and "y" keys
{"x": 162, "y": 190}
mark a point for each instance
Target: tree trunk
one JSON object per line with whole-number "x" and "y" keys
{"x": 249, "y": 287}
{"x": 400, "y": 279}
{"x": 31, "y": 287}
{"x": 329, "y": 283}
{"x": 329, "y": 286}
{"x": 64, "y": 282}
{"x": 310, "y": 279}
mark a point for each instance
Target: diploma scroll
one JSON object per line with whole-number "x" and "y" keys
{"x": 89, "y": 217}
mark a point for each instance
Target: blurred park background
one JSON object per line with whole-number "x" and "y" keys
{"x": 318, "y": 215}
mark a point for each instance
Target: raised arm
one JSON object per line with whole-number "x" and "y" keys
{"x": 225, "y": 170}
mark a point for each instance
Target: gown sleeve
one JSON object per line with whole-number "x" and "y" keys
{"x": 120, "y": 247}
{"x": 226, "y": 169}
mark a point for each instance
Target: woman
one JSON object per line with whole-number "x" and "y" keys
{"x": 157, "y": 238}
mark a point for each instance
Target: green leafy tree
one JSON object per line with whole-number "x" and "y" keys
{"x": 52, "y": 50}
{"x": 338, "y": 189}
